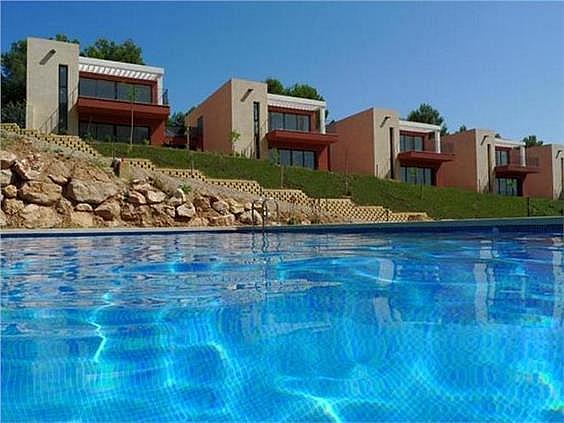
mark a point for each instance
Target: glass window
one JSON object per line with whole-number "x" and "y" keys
{"x": 411, "y": 143}
{"x": 501, "y": 157}
{"x": 104, "y": 132}
{"x": 507, "y": 186}
{"x": 297, "y": 158}
{"x": 140, "y": 134}
{"x": 142, "y": 94}
{"x": 275, "y": 121}
{"x": 309, "y": 159}
{"x": 290, "y": 122}
{"x": 416, "y": 175}
{"x": 105, "y": 89}
{"x": 122, "y": 133}
{"x": 285, "y": 157}
{"x": 124, "y": 91}
{"x": 303, "y": 123}
{"x": 87, "y": 87}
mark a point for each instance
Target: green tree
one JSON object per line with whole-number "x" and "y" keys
{"x": 14, "y": 73}
{"x": 64, "y": 38}
{"x": 462, "y": 128}
{"x": 531, "y": 141}
{"x": 127, "y": 51}
{"x": 274, "y": 86}
{"x": 303, "y": 91}
{"x": 14, "y": 112}
{"x": 425, "y": 113}
{"x": 177, "y": 123}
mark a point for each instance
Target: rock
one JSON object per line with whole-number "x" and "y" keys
{"x": 248, "y": 205}
{"x": 235, "y": 207}
{"x": 177, "y": 198}
{"x": 247, "y": 217}
{"x": 59, "y": 179}
{"x": 43, "y": 193}
{"x": 81, "y": 219}
{"x": 135, "y": 197}
{"x": 3, "y": 221}
{"x": 7, "y": 159}
{"x": 154, "y": 197}
{"x": 109, "y": 210}
{"x": 185, "y": 211}
{"x": 128, "y": 212}
{"x": 12, "y": 206}
{"x": 84, "y": 207}
{"x": 10, "y": 191}
{"x": 64, "y": 206}
{"x": 202, "y": 203}
{"x": 35, "y": 216}
{"x": 5, "y": 177}
{"x": 221, "y": 206}
{"x": 199, "y": 221}
{"x": 92, "y": 192}
{"x": 224, "y": 220}
{"x": 24, "y": 171}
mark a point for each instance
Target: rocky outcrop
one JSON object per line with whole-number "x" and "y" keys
{"x": 42, "y": 193}
{"x": 35, "y": 216}
{"x": 91, "y": 192}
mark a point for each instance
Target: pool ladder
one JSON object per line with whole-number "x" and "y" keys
{"x": 264, "y": 209}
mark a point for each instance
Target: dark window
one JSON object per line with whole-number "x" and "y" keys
{"x": 416, "y": 175}
{"x": 288, "y": 122}
{"x": 63, "y": 98}
{"x": 108, "y": 132}
{"x": 112, "y": 90}
{"x": 411, "y": 143}
{"x": 256, "y": 128}
{"x": 508, "y": 186}
{"x": 301, "y": 158}
{"x": 501, "y": 157}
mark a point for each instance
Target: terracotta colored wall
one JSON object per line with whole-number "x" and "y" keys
{"x": 548, "y": 182}
{"x": 216, "y": 110}
{"x": 461, "y": 172}
{"x": 354, "y": 152}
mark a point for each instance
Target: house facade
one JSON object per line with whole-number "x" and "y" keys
{"x": 377, "y": 142}
{"x": 241, "y": 117}
{"x": 102, "y": 99}
{"x": 486, "y": 163}
{"x": 548, "y": 182}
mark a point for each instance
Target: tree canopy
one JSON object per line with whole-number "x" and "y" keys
{"x": 177, "y": 123}
{"x": 127, "y": 51}
{"x": 462, "y": 128}
{"x": 274, "y": 86}
{"x": 426, "y": 113}
{"x": 531, "y": 141}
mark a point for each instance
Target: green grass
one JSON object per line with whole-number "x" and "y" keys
{"x": 439, "y": 203}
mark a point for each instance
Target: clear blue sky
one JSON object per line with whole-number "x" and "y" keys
{"x": 497, "y": 66}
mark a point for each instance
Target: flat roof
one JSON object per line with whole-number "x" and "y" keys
{"x": 122, "y": 69}
{"x": 295, "y": 102}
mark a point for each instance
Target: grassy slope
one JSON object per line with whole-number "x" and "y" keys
{"x": 437, "y": 202}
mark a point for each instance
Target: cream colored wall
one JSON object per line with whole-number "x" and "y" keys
{"x": 217, "y": 113}
{"x": 485, "y": 171}
{"x": 42, "y": 83}
{"x": 243, "y": 95}
{"x": 384, "y": 120}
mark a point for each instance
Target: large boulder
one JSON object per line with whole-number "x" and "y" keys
{"x": 223, "y": 220}
{"x": 235, "y": 207}
{"x": 136, "y": 198}
{"x": 128, "y": 212}
{"x": 202, "y": 203}
{"x": 109, "y": 210}
{"x": 199, "y": 221}
{"x": 35, "y": 216}
{"x": 92, "y": 192}
{"x": 185, "y": 211}
{"x": 220, "y": 206}
{"x": 177, "y": 198}
{"x": 247, "y": 217}
{"x": 81, "y": 219}
{"x": 5, "y": 177}
{"x": 10, "y": 191}
{"x": 165, "y": 209}
{"x": 154, "y": 197}
{"x": 43, "y": 193}
{"x": 83, "y": 207}
{"x": 12, "y": 206}
{"x": 7, "y": 159}
{"x": 24, "y": 171}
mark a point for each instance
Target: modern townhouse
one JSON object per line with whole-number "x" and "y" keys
{"x": 377, "y": 142}
{"x": 71, "y": 94}
{"x": 241, "y": 117}
{"x": 549, "y": 180}
{"x": 486, "y": 163}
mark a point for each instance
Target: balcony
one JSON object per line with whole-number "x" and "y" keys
{"x": 425, "y": 158}
{"x": 281, "y": 137}
{"x": 509, "y": 165}
{"x": 99, "y": 106}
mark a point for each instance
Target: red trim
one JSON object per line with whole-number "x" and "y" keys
{"x": 514, "y": 170}
{"x": 425, "y": 158}
{"x": 306, "y": 138}
{"x": 97, "y": 105}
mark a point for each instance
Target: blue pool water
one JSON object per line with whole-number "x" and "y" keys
{"x": 290, "y": 327}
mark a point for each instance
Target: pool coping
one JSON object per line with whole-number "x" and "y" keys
{"x": 550, "y": 224}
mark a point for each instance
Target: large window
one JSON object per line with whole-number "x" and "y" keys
{"x": 108, "y": 132}
{"x": 501, "y": 157}
{"x": 112, "y": 90}
{"x": 411, "y": 143}
{"x": 416, "y": 175}
{"x": 63, "y": 98}
{"x": 507, "y": 186}
{"x": 256, "y": 128}
{"x": 288, "y": 121}
{"x": 286, "y": 157}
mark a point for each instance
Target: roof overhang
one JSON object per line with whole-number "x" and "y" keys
{"x": 119, "y": 69}
{"x": 408, "y": 125}
{"x": 425, "y": 158}
{"x": 98, "y": 106}
{"x": 297, "y": 103}
{"x": 515, "y": 170}
{"x": 279, "y": 136}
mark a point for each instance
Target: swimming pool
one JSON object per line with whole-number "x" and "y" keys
{"x": 286, "y": 326}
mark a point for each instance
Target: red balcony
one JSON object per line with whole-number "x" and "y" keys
{"x": 97, "y": 106}
{"x": 515, "y": 170}
{"x": 425, "y": 158}
{"x": 281, "y": 137}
